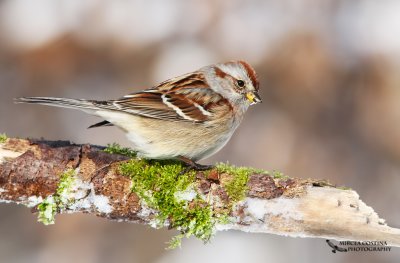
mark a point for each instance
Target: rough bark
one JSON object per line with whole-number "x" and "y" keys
{"x": 30, "y": 171}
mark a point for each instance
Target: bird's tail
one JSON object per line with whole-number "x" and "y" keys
{"x": 85, "y": 105}
{"x": 88, "y": 106}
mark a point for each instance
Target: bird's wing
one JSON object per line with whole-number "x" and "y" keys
{"x": 186, "y": 98}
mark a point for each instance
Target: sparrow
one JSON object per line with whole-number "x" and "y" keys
{"x": 188, "y": 118}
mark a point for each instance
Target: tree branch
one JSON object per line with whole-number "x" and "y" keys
{"x": 35, "y": 174}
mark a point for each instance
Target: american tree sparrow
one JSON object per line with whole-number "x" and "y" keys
{"x": 189, "y": 117}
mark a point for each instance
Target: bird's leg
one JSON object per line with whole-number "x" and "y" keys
{"x": 190, "y": 164}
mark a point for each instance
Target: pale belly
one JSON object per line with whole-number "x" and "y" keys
{"x": 157, "y": 139}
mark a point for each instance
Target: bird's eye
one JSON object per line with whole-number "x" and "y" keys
{"x": 240, "y": 83}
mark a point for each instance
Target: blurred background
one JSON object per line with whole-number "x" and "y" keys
{"x": 330, "y": 84}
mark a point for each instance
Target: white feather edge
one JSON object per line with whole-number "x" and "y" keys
{"x": 172, "y": 106}
{"x": 175, "y": 108}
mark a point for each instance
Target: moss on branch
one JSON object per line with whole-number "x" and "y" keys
{"x": 115, "y": 148}
{"x": 3, "y": 137}
{"x": 54, "y": 204}
{"x": 162, "y": 187}
{"x": 85, "y": 178}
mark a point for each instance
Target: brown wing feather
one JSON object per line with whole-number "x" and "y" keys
{"x": 189, "y": 107}
{"x": 147, "y": 104}
{"x": 186, "y": 98}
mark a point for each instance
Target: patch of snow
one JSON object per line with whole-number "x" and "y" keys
{"x": 256, "y": 212}
{"x": 34, "y": 201}
{"x": 145, "y": 210}
{"x": 101, "y": 203}
{"x": 6, "y": 201}
{"x": 187, "y": 195}
{"x": 85, "y": 198}
{"x": 283, "y": 207}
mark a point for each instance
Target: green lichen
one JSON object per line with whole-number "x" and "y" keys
{"x": 59, "y": 201}
{"x": 236, "y": 187}
{"x": 237, "y": 170}
{"x": 115, "y": 148}
{"x": 161, "y": 186}
{"x": 279, "y": 175}
{"x": 3, "y": 137}
{"x": 344, "y": 188}
{"x": 175, "y": 242}
{"x": 47, "y": 211}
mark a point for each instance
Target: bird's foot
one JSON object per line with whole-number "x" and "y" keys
{"x": 191, "y": 165}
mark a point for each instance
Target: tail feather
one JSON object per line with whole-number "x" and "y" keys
{"x": 59, "y": 102}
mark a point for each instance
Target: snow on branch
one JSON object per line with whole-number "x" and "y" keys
{"x": 55, "y": 177}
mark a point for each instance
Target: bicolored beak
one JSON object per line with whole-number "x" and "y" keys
{"x": 253, "y": 97}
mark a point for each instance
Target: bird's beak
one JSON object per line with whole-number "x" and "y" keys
{"x": 253, "y": 97}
